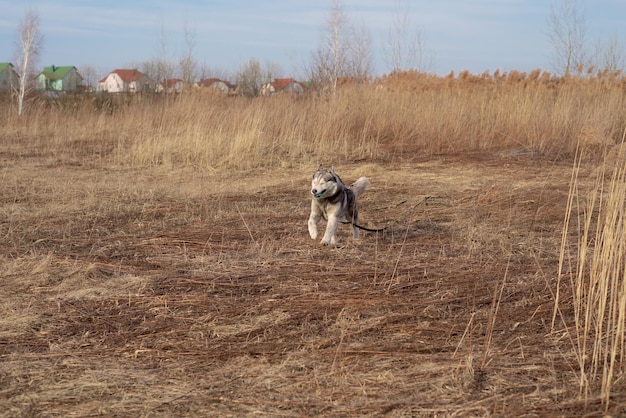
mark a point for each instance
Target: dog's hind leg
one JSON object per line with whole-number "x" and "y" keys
{"x": 352, "y": 214}
{"x": 355, "y": 221}
{"x": 355, "y": 232}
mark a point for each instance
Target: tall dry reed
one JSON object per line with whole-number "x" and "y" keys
{"x": 597, "y": 273}
{"x": 398, "y": 117}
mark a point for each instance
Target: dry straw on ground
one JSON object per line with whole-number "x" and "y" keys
{"x": 155, "y": 261}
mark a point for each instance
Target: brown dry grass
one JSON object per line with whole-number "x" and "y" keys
{"x": 161, "y": 278}
{"x": 598, "y": 275}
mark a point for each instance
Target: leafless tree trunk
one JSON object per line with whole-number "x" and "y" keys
{"x": 404, "y": 49}
{"x": 567, "y": 33}
{"x": 361, "y": 62}
{"x": 331, "y": 55}
{"x": 611, "y": 55}
{"x": 205, "y": 72}
{"x": 250, "y": 78}
{"x": 188, "y": 65}
{"x": 163, "y": 68}
{"x": 272, "y": 70}
{"x": 343, "y": 52}
{"x": 27, "y": 52}
{"x": 90, "y": 77}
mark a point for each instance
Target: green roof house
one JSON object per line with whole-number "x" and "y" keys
{"x": 8, "y": 76}
{"x": 59, "y": 79}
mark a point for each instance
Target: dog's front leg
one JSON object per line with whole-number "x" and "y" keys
{"x": 314, "y": 218}
{"x": 331, "y": 229}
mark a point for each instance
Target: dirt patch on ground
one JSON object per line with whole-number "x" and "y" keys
{"x": 178, "y": 292}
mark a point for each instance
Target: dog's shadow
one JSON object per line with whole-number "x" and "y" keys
{"x": 407, "y": 231}
{"x": 406, "y": 219}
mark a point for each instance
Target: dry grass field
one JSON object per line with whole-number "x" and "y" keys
{"x": 155, "y": 260}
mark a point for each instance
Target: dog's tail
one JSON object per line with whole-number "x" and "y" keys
{"x": 359, "y": 186}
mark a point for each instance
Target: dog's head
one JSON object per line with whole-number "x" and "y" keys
{"x": 325, "y": 183}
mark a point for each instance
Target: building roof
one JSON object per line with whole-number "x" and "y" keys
{"x": 56, "y": 73}
{"x": 171, "y": 82}
{"x": 281, "y": 83}
{"x": 128, "y": 76}
{"x": 5, "y": 65}
{"x": 208, "y": 82}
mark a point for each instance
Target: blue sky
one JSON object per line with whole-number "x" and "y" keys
{"x": 476, "y": 35}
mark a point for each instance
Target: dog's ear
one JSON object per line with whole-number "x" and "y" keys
{"x": 332, "y": 170}
{"x": 319, "y": 168}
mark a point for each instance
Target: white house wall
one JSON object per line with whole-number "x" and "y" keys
{"x": 113, "y": 84}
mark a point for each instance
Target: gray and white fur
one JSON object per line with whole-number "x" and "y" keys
{"x": 335, "y": 202}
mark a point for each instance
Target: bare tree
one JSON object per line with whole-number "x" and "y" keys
{"x": 342, "y": 52}
{"x": 162, "y": 68}
{"x": 567, "y": 34}
{"x": 205, "y": 72}
{"x": 272, "y": 70}
{"x": 188, "y": 65}
{"x": 361, "y": 62}
{"x": 611, "y": 55}
{"x": 250, "y": 78}
{"x": 405, "y": 49}
{"x": 90, "y": 77}
{"x": 27, "y": 53}
{"x": 329, "y": 57}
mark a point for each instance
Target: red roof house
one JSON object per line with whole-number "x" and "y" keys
{"x": 282, "y": 85}
{"x": 215, "y": 85}
{"x": 126, "y": 81}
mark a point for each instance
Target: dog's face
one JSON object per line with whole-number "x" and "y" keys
{"x": 324, "y": 183}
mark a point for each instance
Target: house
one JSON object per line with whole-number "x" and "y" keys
{"x": 216, "y": 86}
{"x": 59, "y": 79}
{"x": 282, "y": 85}
{"x": 126, "y": 81}
{"x": 171, "y": 85}
{"x": 8, "y": 76}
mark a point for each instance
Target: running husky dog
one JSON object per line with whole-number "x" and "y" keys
{"x": 335, "y": 202}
